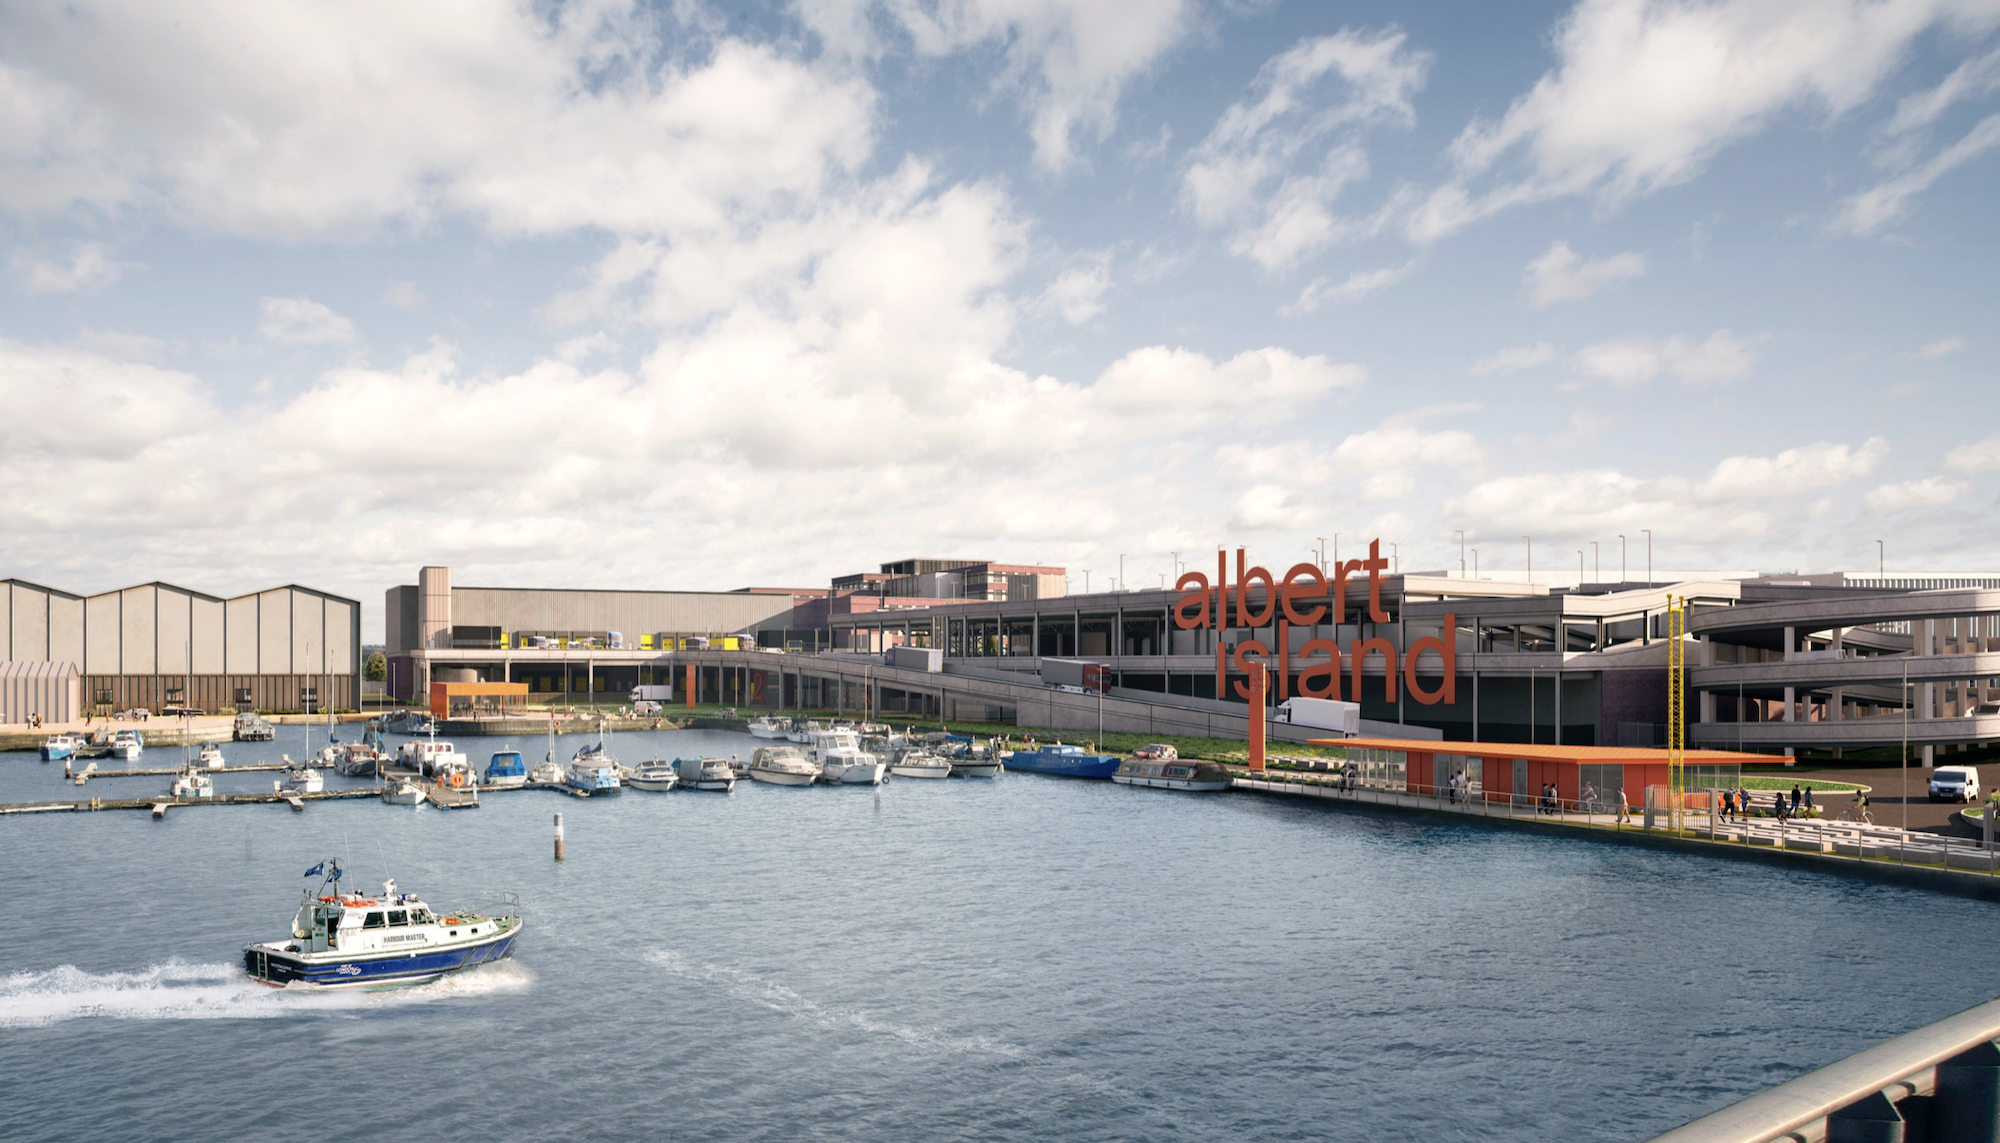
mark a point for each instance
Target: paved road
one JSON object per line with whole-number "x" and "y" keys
{"x": 1887, "y": 800}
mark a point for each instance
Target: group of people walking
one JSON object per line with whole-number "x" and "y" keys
{"x": 1737, "y": 804}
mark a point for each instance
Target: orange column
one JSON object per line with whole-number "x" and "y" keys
{"x": 690, "y": 686}
{"x": 1258, "y": 685}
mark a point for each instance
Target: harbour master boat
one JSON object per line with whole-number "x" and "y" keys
{"x": 1065, "y": 760}
{"x": 345, "y": 940}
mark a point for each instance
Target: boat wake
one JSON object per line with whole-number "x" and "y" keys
{"x": 748, "y": 986}
{"x": 180, "y": 991}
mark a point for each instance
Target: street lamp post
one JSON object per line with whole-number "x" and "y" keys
{"x": 1531, "y": 557}
{"x": 1475, "y": 563}
{"x": 1649, "y": 555}
{"x": 1322, "y": 554}
{"x": 1906, "y": 740}
{"x": 1621, "y": 557}
{"x": 1395, "y": 558}
{"x": 1881, "y": 561}
{"x": 1596, "y": 564}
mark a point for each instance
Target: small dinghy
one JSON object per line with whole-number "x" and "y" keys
{"x": 345, "y": 940}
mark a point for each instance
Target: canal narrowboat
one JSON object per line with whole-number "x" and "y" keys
{"x": 1172, "y": 774}
{"x": 1064, "y": 760}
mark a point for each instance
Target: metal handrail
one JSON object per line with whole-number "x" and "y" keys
{"x": 1810, "y": 1098}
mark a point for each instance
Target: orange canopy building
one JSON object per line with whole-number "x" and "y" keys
{"x": 1500, "y": 770}
{"x": 479, "y": 700}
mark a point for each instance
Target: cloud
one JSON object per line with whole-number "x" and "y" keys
{"x": 1515, "y": 359}
{"x": 1068, "y": 61}
{"x": 530, "y": 121}
{"x": 1808, "y": 468}
{"x": 1872, "y": 209}
{"x": 1942, "y": 347}
{"x": 1910, "y": 495}
{"x": 1969, "y": 80}
{"x": 1979, "y": 456}
{"x": 1356, "y": 286}
{"x": 301, "y": 321}
{"x": 1275, "y": 161}
{"x": 1077, "y": 294}
{"x": 89, "y": 267}
{"x": 405, "y": 296}
{"x": 1722, "y": 358}
{"x": 1560, "y": 276}
{"x": 1645, "y": 92}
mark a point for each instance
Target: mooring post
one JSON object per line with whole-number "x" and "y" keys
{"x": 559, "y": 838}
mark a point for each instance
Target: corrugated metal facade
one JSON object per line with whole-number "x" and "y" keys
{"x": 40, "y": 687}
{"x": 551, "y": 610}
{"x": 138, "y": 646}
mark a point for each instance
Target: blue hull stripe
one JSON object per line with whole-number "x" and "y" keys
{"x": 381, "y": 969}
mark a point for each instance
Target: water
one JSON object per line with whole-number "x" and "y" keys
{"x": 1016, "y": 959}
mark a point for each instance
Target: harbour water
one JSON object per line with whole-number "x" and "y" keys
{"x": 1016, "y": 959}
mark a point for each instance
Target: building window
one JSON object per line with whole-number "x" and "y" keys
{"x": 104, "y": 696}
{"x": 242, "y": 695}
{"x": 308, "y": 694}
{"x": 176, "y": 695}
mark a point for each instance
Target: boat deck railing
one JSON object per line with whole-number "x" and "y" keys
{"x": 1940, "y": 1082}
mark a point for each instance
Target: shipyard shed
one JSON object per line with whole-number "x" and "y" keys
{"x": 51, "y": 690}
{"x": 157, "y": 645}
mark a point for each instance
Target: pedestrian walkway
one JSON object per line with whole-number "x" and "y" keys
{"x": 1833, "y": 839}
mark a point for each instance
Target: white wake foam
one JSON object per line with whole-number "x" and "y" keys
{"x": 748, "y": 986}
{"x": 180, "y": 991}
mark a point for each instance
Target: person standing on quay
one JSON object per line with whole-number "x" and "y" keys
{"x": 1809, "y": 801}
{"x": 1795, "y": 799}
{"x": 1624, "y": 810}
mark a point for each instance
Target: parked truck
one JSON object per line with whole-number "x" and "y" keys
{"x": 915, "y": 658}
{"x": 1076, "y": 673}
{"x": 1327, "y": 714}
{"x": 653, "y": 693}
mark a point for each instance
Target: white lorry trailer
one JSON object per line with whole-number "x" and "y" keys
{"x": 1343, "y": 718}
{"x": 660, "y": 694}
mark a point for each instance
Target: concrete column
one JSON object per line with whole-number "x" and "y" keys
{"x": 1791, "y": 644}
{"x": 1836, "y": 707}
{"x": 1791, "y": 704}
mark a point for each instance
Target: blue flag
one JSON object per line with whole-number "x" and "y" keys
{"x": 316, "y": 870}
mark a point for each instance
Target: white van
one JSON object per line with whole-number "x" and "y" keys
{"x": 1955, "y": 784}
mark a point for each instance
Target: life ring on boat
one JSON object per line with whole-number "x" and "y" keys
{"x": 457, "y": 779}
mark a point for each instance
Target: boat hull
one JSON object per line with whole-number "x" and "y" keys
{"x": 505, "y": 782}
{"x": 767, "y": 732}
{"x": 57, "y": 753}
{"x": 1086, "y": 766}
{"x": 921, "y": 771}
{"x": 868, "y": 775}
{"x": 653, "y": 785}
{"x": 1172, "y": 783}
{"x": 282, "y": 969}
{"x": 782, "y": 778}
{"x": 976, "y": 769}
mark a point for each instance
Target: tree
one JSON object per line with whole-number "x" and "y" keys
{"x": 376, "y": 668}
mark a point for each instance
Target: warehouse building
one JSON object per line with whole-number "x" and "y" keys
{"x": 561, "y": 641}
{"x": 156, "y": 646}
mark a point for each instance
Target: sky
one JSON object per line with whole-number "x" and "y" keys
{"x": 698, "y": 296}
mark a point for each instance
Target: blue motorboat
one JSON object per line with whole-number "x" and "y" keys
{"x": 592, "y": 772}
{"x": 505, "y": 769}
{"x": 1066, "y": 760}
{"x": 347, "y": 940}
{"x": 58, "y": 747}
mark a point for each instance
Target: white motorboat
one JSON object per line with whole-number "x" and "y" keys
{"x": 592, "y": 773}
{"x": 210, "y": 757}
{"x": 193, "y": 784}
{"x": 403, "y": 792}
{"x": 973, "y": 766}
{"x": 306, "y": 780}
{"x": 841, "y": 760}
{"x": 706, "y": 774}
{"x": 429, "y": 757}
{"x": 802, "y": 731}
{"x": 768, "y": 727}
{"x": 782, "y": 766}
{"x": 657, "y": 776}
{"x": 347, "y": 940}
{"x": 546, "y": 774}
{"x": 126, "y": 745}
{"x": 920, "y": 764}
